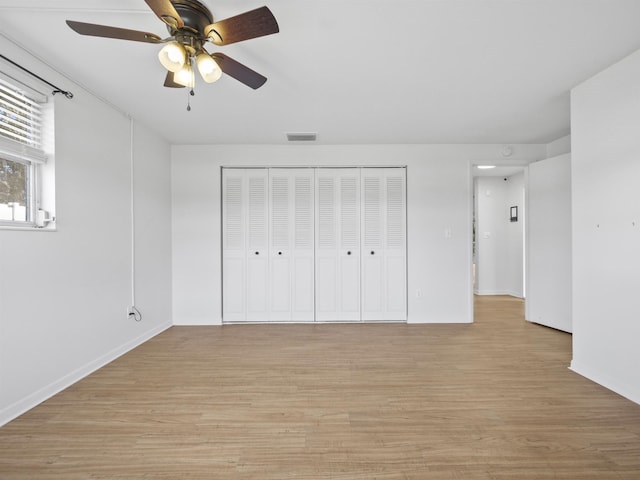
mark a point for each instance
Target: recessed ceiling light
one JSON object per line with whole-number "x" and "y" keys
{"x": 485, "y": 167}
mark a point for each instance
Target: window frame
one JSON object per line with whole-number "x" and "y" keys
{"x": 30, "y": 153}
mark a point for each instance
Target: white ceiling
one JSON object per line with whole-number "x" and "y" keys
{"x": 356, "y": 71}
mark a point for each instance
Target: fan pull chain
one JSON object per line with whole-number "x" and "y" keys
{"x": 191, "y": 94}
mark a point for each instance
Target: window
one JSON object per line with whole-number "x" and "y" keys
{"x": 21, "y": 155}
{"x": 15, "y": 191}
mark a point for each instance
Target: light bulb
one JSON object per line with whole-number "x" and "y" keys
{"x": 173, "y": 56}
{"x": 208, "y": 67}
{"x": 185, "y": 76}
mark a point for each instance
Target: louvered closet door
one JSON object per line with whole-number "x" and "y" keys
{"x": 291, "y": 244}
{"x": 257, "y": 251}
{"x": 338, "y": 244}
{"x": 384, "y": 294}
{"x": 245, "y": 252}
{"x": 302, "y": 244}
{"x": 233, "y": 245}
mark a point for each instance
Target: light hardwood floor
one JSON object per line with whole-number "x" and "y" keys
{"x": 489, "y": 400}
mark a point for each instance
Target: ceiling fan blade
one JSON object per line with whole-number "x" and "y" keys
{"x": 252, "y": 24}
{"x": 112, "y": 32}
{"x": 169, "y": 82}
{"x": 166, "y": 12}
{"x": 238, "y": 71}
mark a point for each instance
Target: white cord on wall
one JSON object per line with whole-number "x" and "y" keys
{"x": 133, "y": 311}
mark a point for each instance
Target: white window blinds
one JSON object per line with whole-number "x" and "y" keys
{"x": 20, "y": 126}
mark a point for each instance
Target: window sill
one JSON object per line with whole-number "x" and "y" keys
{"x": 28, "y": 228}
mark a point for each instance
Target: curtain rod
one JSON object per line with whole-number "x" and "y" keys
{"x": 66, "y": 93}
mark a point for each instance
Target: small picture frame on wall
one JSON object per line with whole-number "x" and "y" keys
{"x": 513, "y": 214}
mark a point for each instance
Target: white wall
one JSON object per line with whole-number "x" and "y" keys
{"x": 491, "y": 226}
{"x": 499, "y": 247}
{"x": 515, "y": 235}
{"x": 559, "y": 147}
{"x": 605, "y": 116}
{"x": 549, "y": 242}
{"x": 438, "y": 199}
{"x": 64, "y": 294}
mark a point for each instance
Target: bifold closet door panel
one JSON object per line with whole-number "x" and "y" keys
{"x": 257, "y": 251}
{"x": 291, "y": 244}
{"x": 303, "y": 284}
{"x": 396, "y": 244}
{"x": 372, "y": 245}
{"x": 279, "y": 246}
{"x": 233, "y": 245}
{"x": 245, "y": 251}
{"x": 337, "y": 244}
{"x": 326, "y": 258}
{"x": 384, "y": 244}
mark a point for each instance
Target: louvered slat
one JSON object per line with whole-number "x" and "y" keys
{"x": 233, "y": 213}
{"x": 395, "y": 212}
{"x": 326, "y": 213}
{"x": 303, "y": 211}
{"x": 350, "y": 235}
{"x": 372, "y": 212}
{"x": 280, "y": 212}
{"x": 257, "y": 212}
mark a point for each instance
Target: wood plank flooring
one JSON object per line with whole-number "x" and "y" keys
{"x": 490, "y": 400}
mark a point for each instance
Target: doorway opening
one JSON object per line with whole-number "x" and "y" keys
{"x": 498, "y": 231}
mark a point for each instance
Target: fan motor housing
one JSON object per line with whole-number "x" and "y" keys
{"x": 194, "y": 15}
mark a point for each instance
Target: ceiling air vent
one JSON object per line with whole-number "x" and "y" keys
{"x": 302, "y": 137}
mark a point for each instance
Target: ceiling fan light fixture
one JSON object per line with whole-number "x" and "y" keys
{"x": 208, "y": 67}
{"x": 173, "y": 57}
{"x": 185, "y": 76}
{"x": 191, "y": 25}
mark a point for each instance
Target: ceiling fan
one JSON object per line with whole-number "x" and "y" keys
{"x": 191, "y": 25}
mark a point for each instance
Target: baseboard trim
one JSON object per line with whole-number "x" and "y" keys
{"x": 22, "y": 406}
{"x": 606, "y": 381}
{"x": 197, "y": 322}
{"x": 498, "y": 292}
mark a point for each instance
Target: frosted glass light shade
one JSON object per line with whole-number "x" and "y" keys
{"x": 172, "y": 56}
{"x": 185, "y": 76}
{"x": 208, "y": 67}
